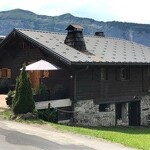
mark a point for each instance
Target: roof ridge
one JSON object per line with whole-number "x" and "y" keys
{"x": 91, "y": 36}
{"x": 41, "y": 31}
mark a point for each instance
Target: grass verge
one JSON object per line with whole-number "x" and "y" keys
{"x": 135, "y": 137}
{"x": 5, "y": 113}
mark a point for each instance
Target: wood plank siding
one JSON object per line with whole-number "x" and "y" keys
{"x": 24, "y": 52}
{"x": 89, "y": 87}
{"x": 92, "y": 82}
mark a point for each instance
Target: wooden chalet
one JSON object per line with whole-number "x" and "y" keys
{"x": 105, "y": 79}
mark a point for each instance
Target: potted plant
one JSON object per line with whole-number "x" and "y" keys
{"x": 9, "y": 97}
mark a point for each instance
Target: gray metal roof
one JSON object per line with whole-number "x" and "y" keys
{"x": 101, "y": 50}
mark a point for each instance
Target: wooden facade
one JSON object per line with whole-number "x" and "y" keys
{"x": 88, "y": 82}
{"x": 20, "y": 51}
{"x": 90, "y": 86}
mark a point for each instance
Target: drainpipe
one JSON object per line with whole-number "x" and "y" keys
{"x": 74, "y": 88}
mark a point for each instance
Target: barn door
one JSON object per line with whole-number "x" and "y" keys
{"x": 134, "y": 113}
{"x": 35, "y": 78}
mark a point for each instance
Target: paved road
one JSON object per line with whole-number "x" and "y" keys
{"x": 17, "y": 136}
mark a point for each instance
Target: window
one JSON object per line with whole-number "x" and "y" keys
{"x": 5, "y": 73}
{"x": 101, "y": 74}
{"x": 44, "y": 74}
{"x": 23, "y": 45}
{"x": 123, "y": 73}
{"x": 104, "y": 107}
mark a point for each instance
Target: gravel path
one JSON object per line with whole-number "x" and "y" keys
{"x": 3, "y": 101}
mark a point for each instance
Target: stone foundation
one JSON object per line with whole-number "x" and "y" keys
{"x": 145, "y": 110}
{"x": 87, "y": 113}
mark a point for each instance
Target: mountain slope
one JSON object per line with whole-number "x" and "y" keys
{"x": 18, "y": 18}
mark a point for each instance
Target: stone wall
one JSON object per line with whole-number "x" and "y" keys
{"x": 87, "y": 113}
{"x": 145, "y": 110}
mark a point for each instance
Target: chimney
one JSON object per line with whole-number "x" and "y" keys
{"x": 75, "y": 38}
{"x": 100, "y": 34}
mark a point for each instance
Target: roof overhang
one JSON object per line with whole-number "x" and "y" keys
{"x": 65, "y": 60}
{"x": 107, "y": 63}
{"x": 15, "y": 32}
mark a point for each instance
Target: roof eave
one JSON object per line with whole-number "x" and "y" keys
{"x": 8, "y": 37}
{"x": 108, "y": 63}
{"x": 16, "y": 31}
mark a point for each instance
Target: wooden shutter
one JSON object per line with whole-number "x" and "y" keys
{"x": 4, "y": 72}
{"x": 103, "y": 74}
{"x": 118, "y": 73}
{"x": 97, "y": 75}
{"x": 8, "y": 73}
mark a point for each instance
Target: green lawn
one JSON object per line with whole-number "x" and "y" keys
{"x": 135, "y": 137}
{"x": 5, "y": 113}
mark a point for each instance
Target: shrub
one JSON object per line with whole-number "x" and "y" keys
{"x": 11, "y": 93}
{"x": 9, "y": 97}
{"x": 40, "y": 90}
{"x": 40, "y": 93}
{"x": 43, "y": 114}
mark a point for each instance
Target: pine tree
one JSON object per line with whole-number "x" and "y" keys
{"x": 23, "y": 100}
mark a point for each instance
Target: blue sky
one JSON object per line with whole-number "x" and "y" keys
{"x": 137, "y": 11}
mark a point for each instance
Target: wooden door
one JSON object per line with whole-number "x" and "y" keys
{"x": 35, "y": 78}
{"x": 134, "y": 113}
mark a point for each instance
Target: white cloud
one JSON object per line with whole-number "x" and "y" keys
{"x": 130, "y": 10}
{"x": 105, "y": 10}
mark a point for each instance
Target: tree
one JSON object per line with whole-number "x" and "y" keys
{"x": 23, "y": 100}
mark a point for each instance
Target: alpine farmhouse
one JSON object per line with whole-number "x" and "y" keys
{"x": 107, "y": 80}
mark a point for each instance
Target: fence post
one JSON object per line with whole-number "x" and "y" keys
{"x": 49, "y": 106}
